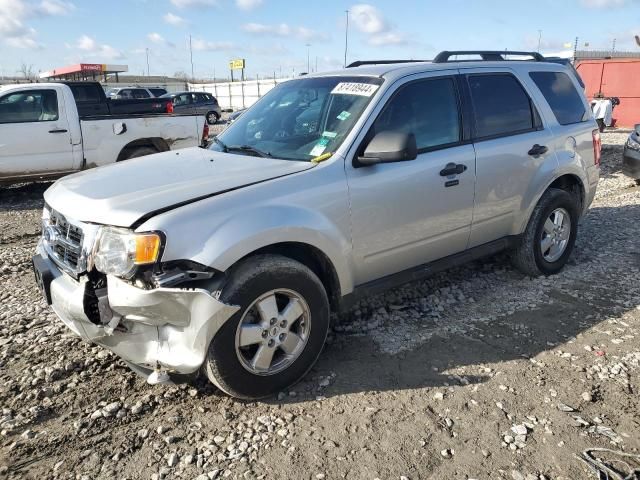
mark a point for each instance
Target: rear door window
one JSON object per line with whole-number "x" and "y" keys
{"x": 86, "y": 93}
{"x": 140, "y": 93}
{"x": 501, "y": 106}
{"x": 428, "y": 109}
{"x": 561, "y": 95}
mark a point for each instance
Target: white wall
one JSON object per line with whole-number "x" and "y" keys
{"x": 237, "y": 95}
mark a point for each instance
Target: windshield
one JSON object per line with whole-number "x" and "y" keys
{"x": 300, "y": 119}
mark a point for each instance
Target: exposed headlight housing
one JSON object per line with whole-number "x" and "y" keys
{"x": 120, "y": 251}
{"x": 633, "y": 144}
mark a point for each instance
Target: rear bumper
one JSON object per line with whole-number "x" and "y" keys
{"x": 631, "y": 162}
{"x": 162, "y": 328}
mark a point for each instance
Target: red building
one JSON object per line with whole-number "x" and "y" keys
{"x": 614, "y": 77}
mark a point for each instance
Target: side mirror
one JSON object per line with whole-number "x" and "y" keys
{"x": 637, "y": 129}
{"x": 388, "y": 147}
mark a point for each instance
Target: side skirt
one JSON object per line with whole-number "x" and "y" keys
{"x": 426, "y": 270}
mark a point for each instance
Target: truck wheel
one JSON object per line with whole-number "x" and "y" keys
{"x": 550, "y": 235}
{"x": 212, "y": 118}
{"x": 140, "y": 152}
{"x": 278, "y": 333}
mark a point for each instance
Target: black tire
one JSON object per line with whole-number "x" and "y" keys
{"x": 248, "y": 281}
{"x": 528, "y": 256}
{"x": 212, "y": 116}
{"x": 139, "y": 152}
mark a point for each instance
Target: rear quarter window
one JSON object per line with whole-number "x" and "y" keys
{"x": 561, "y": 95}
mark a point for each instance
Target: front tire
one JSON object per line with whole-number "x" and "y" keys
{"x": 278, "y": 333}
{"x": 549, "y": 238}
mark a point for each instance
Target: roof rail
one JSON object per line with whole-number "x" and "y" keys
{"x": 486, "y": 55}
{"x": 380, "y": 62}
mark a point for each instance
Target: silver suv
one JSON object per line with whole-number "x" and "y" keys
{"x": 330, "y": 188}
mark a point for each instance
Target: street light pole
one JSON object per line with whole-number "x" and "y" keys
{"x": 191, "y": 55}
{"x": 346, "y": 38}
{"x": 147, "y": 51}
{"x": 539, "y": 39}
{"x": 308, "y": 63}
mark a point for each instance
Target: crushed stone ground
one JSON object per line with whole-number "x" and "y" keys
{"x": 476, "y": 373}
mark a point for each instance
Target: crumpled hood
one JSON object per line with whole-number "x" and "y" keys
{"x": 122, "y": 193}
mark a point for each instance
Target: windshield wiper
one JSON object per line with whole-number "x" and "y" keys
{"x": 221, "y": 143}
{"x": 247, "y": 149}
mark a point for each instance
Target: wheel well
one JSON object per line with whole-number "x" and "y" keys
{"x": 571, "y": 184}
{"x": 158, "y": 144}
{"x": 314, "y": 259}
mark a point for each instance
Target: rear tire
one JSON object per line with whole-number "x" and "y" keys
{"x": 531, "y": 256}
{"x": 139, "y": 152}
{"x": 212, "y": 118}
{"x": 291, "y": 339}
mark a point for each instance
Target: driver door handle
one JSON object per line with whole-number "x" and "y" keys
{"x": 452, "y": 169}
{"x": 58, "y": 130}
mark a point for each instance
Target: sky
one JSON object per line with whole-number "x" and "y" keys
{"x": 275, "y": 36}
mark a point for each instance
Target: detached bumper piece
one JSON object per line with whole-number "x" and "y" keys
{"x": 162, "y": 331}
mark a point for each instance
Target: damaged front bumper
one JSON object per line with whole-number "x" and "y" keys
{"x": 162, "y": 329}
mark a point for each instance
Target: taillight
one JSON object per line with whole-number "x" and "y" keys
{"x": 597, "y": 146}
{"x": 205, "y": 133}
{"x": 169, "y": 107}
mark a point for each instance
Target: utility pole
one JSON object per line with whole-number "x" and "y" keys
{"x": 308, "y": 63}
{"x": 147, "y": 51}
{"x": 539, "y": 39}
{"x": 191, "y": 55}
{"x": 575, "y": 51}
{"x": 346, "y": 38}
{"x": 613, "y": 47}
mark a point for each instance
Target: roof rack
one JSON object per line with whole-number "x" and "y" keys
{"x": 486, "y": 55}
{"x": 380, "y": 62}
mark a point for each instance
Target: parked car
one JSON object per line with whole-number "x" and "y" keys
{"x": 234, "y": 115}
{"x": 330, "y": 188}
{"x": 631, "y": 155}
{"x": 196, "y": 102}
{"x": 135, "y": 92}
{"x": 91, "y": 100}
{"x": 46, "y": 133}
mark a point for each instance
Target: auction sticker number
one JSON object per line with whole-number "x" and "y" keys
{"x": 350, "y": 88}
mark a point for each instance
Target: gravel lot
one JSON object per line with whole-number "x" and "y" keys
{"x": 476, "y": 373}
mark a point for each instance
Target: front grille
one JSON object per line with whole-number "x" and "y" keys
{"x": 65, "y": 240}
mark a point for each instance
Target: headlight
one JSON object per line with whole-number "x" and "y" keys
{"x": 633, "y": 144}
{"x": 120, "y": 251}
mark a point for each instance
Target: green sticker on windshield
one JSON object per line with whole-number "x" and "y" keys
{"x": 343, "y": 116}
{"x": 323, "y": 141}
{"x": 329, "y": 134}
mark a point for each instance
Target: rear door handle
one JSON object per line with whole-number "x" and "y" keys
{"x": 538, "y": 150}
{"x": 452, "y": 169}
{"x": 58, "y": 130}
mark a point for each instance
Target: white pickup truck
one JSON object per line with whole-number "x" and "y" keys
{"x": 47, "y": 130}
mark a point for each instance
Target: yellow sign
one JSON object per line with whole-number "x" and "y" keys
{"x": 237, "y": 64}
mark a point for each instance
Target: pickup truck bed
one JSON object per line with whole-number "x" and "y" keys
{"x": 91, "y": 100}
